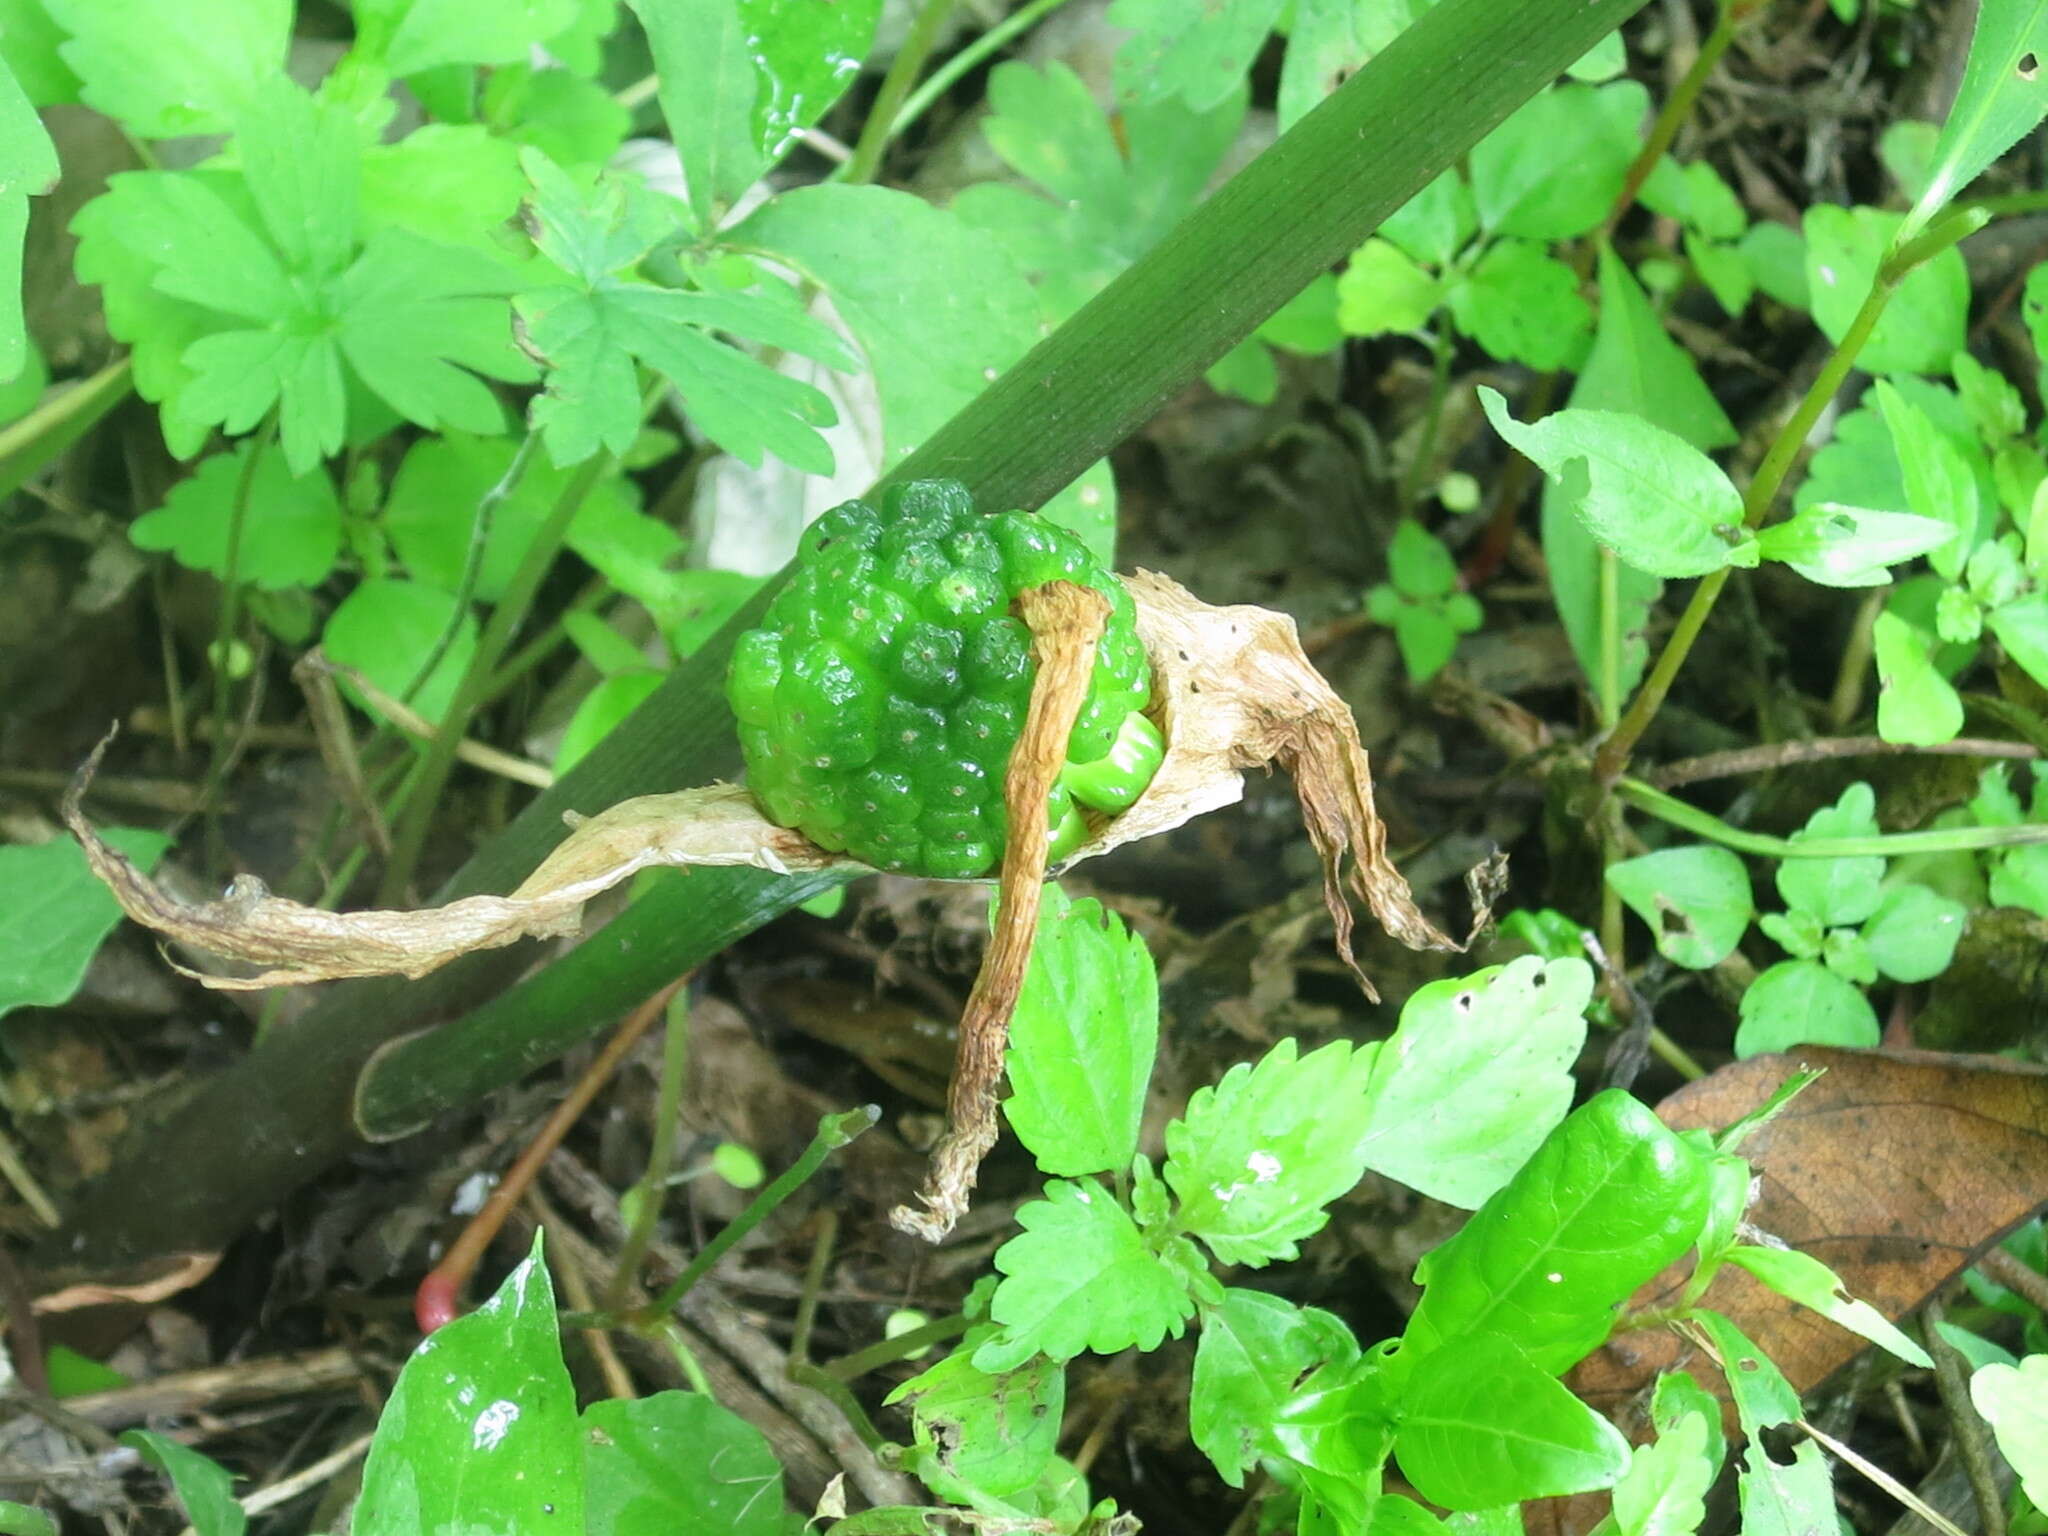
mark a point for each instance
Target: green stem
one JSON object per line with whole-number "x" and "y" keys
{"x": 834, "y": 1132}
{"x": 473, "y": 559}
{"x": 1889, "y": 845}
{"x": 424, "y": 800}
{"x": 661, "y": 1155}
{"x": 1612, "y": 758}
{"x": 856, "y": 1365}
{"x": 1607, "y": 698}
{"x": 903, "y": 70}
{"x": 942, "y": 78}
{"x": 230, "y": 618}
{"x": 1677, "y": 108}
{"x": 1425, "y": 444}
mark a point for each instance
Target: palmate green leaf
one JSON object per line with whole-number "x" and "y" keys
{"x": 1554, "y": 168}
{"x": 1802, "y": 1278}
{"x": 1802, "y": 1002}
{"x": 1523, "y": 305}
{"x": 291, "y": 525}
{"x": 1635, "y": 368}
{"x": 1434, "y": 224}
{"x": 168, "y": 68}
{"x": 593, "y": 330}
{"x": 1658, "y": 502}
{"x": 1254, "y": 1349}
{"x": 1838, "y": 546}
{"x": 1082, "y": 1040}
{"x": 1696, "y": 901}
{"x": 1198, "y": 53}
{"x": 205, "y": 1487}
{"x": 1080, "y": 1276}
{"x": 1792, "y": 1498}
{"x": 675, "y": 1464}
{"x": 386, "y": 628}
{"x": 1664, "y": 1491}
{"x": 1381, "y": 289}
{"x": 574, "y": 121}
{"x": 1483, "y": 1425}
{"x": 740, "y": 78}
{"x": 1923, "y": 325}
{"x": 995, "y": 1434}
{"x": 1106, "y": 195}
{"x": 1255, "y": 1159}
{"x": 28, "y": 164}
{"x": 1912, "y": 935}
{"x": 453, "y": 182}
{"x": 57, "y": 912}
{"x": 2003, "y": 96}
{"x": 407, "y": 36}
{"x": 1836, "y": 891}
{"x": 480, "y": 1430}
{"x": 2014, "y": 1401}
{"x": 1607, "y": 1201}
{"x": 1499, "y": 1045}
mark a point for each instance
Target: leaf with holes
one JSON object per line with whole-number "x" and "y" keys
{"x": 2003, "y": 96}
{"x": 1254, "y": 1351}
{"x": 1696, "y": 901}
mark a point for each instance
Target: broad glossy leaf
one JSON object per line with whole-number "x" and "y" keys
{"x": 1793, "y": 1498}
{"x": 1475, "y": 1076}
{"x": 1696, "y": 901}
{"x": 1554, "y": 168}
{"x": 1082, "y": 1040}
{"x": 677, "y": 1464}
{"x": 1256, "y": 1158}
{"x": 1802, "y": 1278}
{"x": 1607, "y": 1201}
{"x": 1254, "y": 1349}
{"x": 996, "y": 1433}
{"x": 1642, "y": 491}
{"x": 1482, "y": 1425}
{"x": 2002, "y": 97}
{"x": 56, "y": 912}
{"x": 1923, "y": 325}
{"x": 1802, "y": 1002}
{"x": 480, "y": 1430}
{"x": 2014, "y": 1400}
{"x": 291, "y": 524}
{"x": 1080, "y": 1276}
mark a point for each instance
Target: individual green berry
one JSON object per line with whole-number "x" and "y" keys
{"x": 885, "y": 691}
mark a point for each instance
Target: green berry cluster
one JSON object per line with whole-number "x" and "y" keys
{"x": 881, "y": 697}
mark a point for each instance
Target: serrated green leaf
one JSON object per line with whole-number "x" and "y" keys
{"x": 1381, "y": 289}
{"x": 1079, "y": 1277}
{"x": 993, "y": 1434}
{"x": 205, "y": 1487}
{"x": 302, "y": 167}
{"x": 1329, "y": 41}
{"x": 2001, "y": 99}
{"x": 1108, "y": 194}
{"x": 1198, "y": 53}
{"x": 1837, "y": 891}
{"x": 1802, "y": 1278}
{"x": 934, "y": 335}
{"x": 30, "y": 39}
{"x": 291, "y": 524}
{"x": 1082, "y": 1040}
{"x": 1696, "y": 901}
{"x": 407, "y": 36}
{"x": 169, "y": 68}
{"x": 1792, "y": 1498}
{"x": 1923, "y": 325}
{"x": 57, "y": 913}
{"x": 455, "y": 183}
{"x": 1501, "y": 1042}
{"x": 1254, "y": 1349}
{"x": 1838, "y": 546}
{"x": 1801, "y": 1002}
{"x": 1658, "y": 502}
{"x": 386, "y": 628}
{"x": 1522, "y": 305}
{"x": 1912, "y": 935}
{"x": 1434, "y": 224}
{"x": 1554, "y": 168}
{"x": 1664, "y": 1491}
{"x": 1484, "y": 1425}
{"x": 1255, "y": 1159}
{"x": 573, "y": 121}
{"x": 28, "y": 164}
{"x": 488, "y": 1383}
{"x": 1606, "y": 1202}
{"x": 2014, "y": 1401}
{"x": 678, "y": 1464}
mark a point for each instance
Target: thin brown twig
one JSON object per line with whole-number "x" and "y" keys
{"x": 2015, "y": 1275}
{"x": 1785, "y": 754}
{"x": 1972, "y": 1439}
